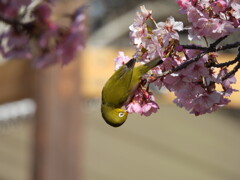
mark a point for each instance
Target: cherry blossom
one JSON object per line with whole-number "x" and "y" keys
{"x": 168, "y": 30}
{"x": 40, "y": 38}
{"x": 142, "y": 103}
{"x": 120, "y": 60}
{"x": 192, "y": 72}
{"x": 210, "y": 18}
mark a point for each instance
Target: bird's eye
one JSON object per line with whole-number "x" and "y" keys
{"x": 121, "y": 114}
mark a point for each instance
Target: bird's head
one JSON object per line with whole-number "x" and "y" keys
{"x": 113, "y": 116}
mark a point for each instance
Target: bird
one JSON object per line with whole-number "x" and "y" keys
{"x": 119, "y": 89}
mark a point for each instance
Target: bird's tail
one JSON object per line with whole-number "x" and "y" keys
{"x": 148, "y": 66}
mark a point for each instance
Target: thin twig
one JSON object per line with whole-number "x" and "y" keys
{"x": 220, "y": 48}
{"x": 193, "y": 46}
{"x": 227, "y": 63}
{"x": 228, "y": 46}
{"x": 211, "y": 48}
{"x": 235, "y": 69}
{"x": 232, "y": 72}
{"x": 8, "y": 21}
{"x": 17, "y": 25}
{"x": 214, "y": 44}
{"x": 181, "y": 66}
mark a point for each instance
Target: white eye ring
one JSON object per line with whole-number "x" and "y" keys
{"x": 121, "y": 114}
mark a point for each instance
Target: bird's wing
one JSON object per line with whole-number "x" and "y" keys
{"x": 116, "y": 89}
{"x": 143, "y": 69}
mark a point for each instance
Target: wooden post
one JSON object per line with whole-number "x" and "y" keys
{"x": 58, "y": 124}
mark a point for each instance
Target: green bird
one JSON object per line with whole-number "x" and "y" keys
{"x": 119, "y": 89}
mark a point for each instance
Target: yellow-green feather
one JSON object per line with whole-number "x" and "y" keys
{"x": 116, "y": 89}
{"x": 122, "y": 84}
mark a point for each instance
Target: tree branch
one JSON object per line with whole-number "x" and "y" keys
{"x": 195, "y": 59}
{"x": 232, "y": 72}
{"x": 214, "y": 44}
{"x": 15, "y": 24}
{"x": 227, "y": 63}
{"x": 182, "y": 66}
{"x": 228, "y": 46}
{"x": 8, "y": 21}
{"x": 211, "y": 48}
{"x": 235, "y": 69}
{"x": 193, "y": 46}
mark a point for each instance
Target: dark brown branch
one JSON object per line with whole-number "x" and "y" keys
{"x": 211, "y": 48}
{"x": 9, "y": 21}
{"x": 232, "y": 72}
{"x": 196, "y": 47}
{"x": 214, "y": 44}
{"x": 182, "y": 66}
{"x": 228, "y": 46}
{"x": 220, "y": 48}
{"x": 227, "y": 63}
{"x": 205, "y": 50}
{"x": 235, "y": 69}
{"x": 17, "y": 25}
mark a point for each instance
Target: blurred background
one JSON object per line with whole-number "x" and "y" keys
{"x": 51, "y": 126}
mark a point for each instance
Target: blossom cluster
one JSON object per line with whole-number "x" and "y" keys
{"x": 32, "y": 34}
{"x": 192, "y": 72}
{"x": 212, "y": 19}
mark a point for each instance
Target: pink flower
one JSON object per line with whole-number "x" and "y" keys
{"x": 212, "y": 27}
{"x": 16, "y": 39}
{"x": 205, "y": 103}
{"x": 42, "y": 13}
{"x": 175, "y": 82}
{"x": 223, "y": 102}
{"x": 154, "y": 48}
{"x": 194, "y": 14}
{"x": 208, "y": 26}
{"x": 168, "y": 30}
{"x": 68, "y": 47}
{"x": 145, "y": 13}
{"x": 10, "y": 9}
{"x": 219, "y": 6}
{"x": 53, "y": 43}
{"x": 169, "y": 63}
{"x": 78, "y": 17}
{"x": 203, "y": 4}
{"x": 193, "y": 34}
{"x": 45, "y": 59}
{"x": 236, "y": 7}
{"x": 197, "y": 70}
{"x": 73, "y": 41}
{"x": 185, "y": 4}
{"x": 209, "y": 19}
{"x": 158, "y": 83}
{"x": 120, "y": 60}
{"x": 149, "y": 108}
{"x": 134, "y": 107}
{"x": 138, "y": 29}
{"x": 227, "y": 83}
{"x": 48, "y": 36}
{"x": 17, "y": 45}
{"x": 187, "y": 94}
{"x": 142, "y": 103}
